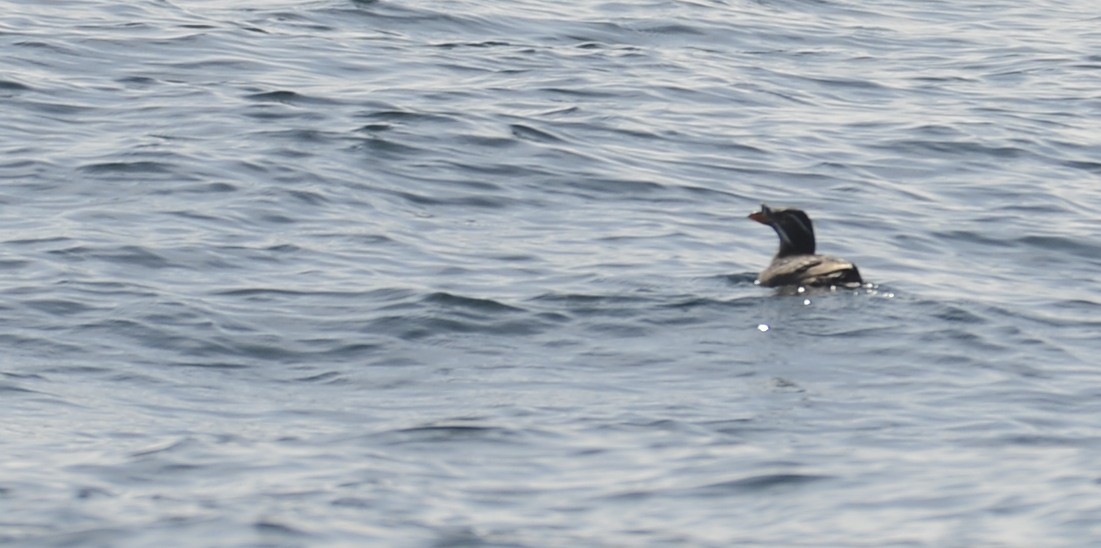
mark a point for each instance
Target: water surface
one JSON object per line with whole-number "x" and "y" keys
{"x": 399, "y": 273}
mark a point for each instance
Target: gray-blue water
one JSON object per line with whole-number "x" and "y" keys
{"x": 478, "y": 273}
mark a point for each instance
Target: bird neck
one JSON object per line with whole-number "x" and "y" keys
{"x": 794, "y": 239}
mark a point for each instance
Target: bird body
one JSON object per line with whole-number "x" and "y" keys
{"x": 796, "y": 262}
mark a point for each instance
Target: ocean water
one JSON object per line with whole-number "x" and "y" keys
{"x": 478, "y": 273}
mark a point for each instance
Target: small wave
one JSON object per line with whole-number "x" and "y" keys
{"x": 472, "y": 303}
{"x": 456, "y": 432}
{"x": 135, "y": 167}
{"x": 7, "y": 387}
{"x": 763, "y": 482}
{"x": 11, "y": 85}
{"x": 289, "y": 97}
{"x": 529, "y": 133}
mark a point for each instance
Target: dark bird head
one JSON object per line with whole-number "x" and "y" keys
{"x": 792, "y": 225}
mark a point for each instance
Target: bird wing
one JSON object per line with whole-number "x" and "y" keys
{"x": 811, "y": 270}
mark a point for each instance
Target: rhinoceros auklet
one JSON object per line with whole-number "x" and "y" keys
{"x": 796, "y": 263}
